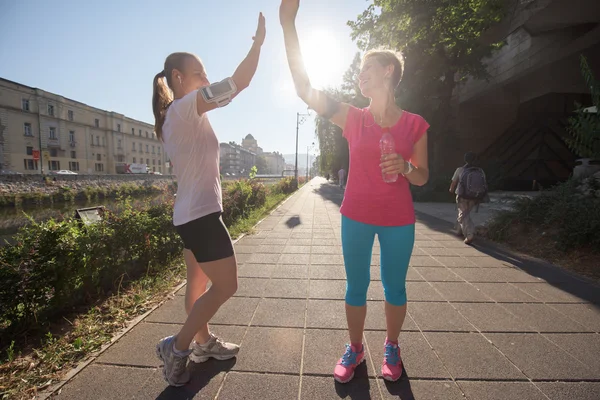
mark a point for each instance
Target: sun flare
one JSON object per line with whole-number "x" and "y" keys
{"x": 323, "y": 58}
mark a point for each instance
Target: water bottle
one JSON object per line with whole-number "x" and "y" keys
{"x": 388, "y": 146}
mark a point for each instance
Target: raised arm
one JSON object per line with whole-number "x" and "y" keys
{"x": 318, "y": 100}
{"x": 245, "y": 71}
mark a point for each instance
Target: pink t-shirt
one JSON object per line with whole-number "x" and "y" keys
{"x": 368, "y": 199}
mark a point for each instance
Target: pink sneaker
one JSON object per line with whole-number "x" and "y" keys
{"x": 344, "y": 370}
{"x": 391, "y": 370}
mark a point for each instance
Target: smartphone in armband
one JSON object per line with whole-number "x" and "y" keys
{"x": 220, "y": 92}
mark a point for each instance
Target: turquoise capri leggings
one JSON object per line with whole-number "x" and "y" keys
{"x": 396, "y": 245}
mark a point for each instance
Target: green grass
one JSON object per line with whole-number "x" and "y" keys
{"x": 245, "y": 225}
{"x": 24, "y": 372}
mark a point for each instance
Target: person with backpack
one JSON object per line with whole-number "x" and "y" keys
{"x": 469, "y": 184}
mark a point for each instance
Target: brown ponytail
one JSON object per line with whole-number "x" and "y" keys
{"x": 162, "y": 94}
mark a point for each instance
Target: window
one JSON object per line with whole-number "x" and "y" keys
{"x": 134, "y": 160}
{"x": 121, "y": 158}
{"x": 133, "y": 146}
{"x": 99, "y": 167}
{"x": 30, "y": 165}
{"x": 147, "y": 161}
{"x": 133, "y": 131}
{"x": 52, "y": 133}
{"x": 97, "y": 123}
{"x": 97, "y": 140}
{"x": 160, "y": 170}
{"x": 74, "y": 165}
{"x": 103, "y": 141}
{"x": 29, "y": 150}
{"x": 53, "y": 165}
{"x": 25, "y": 106}
{"x": 72, "y": 136}
{"x": 51, "y": 109}
{"x": 119, "y": 144}
{"x": 27, "y": 129}
{"x": 118, "y": 127}
{"x": 140, "y": 132}
{"x": 153, "y": 162}
{"x": 146, "y": 134}
{"x": 159, "y": 162}
{"x": 140, "y": 146}
{"x": 98, "y": 157}
{"x": 159, "y": 150}
{"x": 147, "y": 149}
{"x": 70, "y": 113}
{"x": 73, "y": 154}
{"x": 153, "y": 149}
{"x": 53, "y": 152}
{"x": 153, "y": 169}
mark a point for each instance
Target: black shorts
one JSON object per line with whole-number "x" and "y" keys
{"x": 207, "y": 238}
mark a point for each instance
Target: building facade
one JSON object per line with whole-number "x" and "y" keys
{"x": 251, "y": 144}
{"x": 42, "y": 132}
{"x": 236, "y": 160}
{"x": 275, "y": 163}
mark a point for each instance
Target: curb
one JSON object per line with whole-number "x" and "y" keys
{"x": 47, "y": 393}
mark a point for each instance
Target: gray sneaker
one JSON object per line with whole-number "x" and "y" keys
{"x": 175, "y": 366}
{"x": 215, "y": 348}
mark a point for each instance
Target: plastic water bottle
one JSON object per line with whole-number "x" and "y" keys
{"x": 388, "y": 146}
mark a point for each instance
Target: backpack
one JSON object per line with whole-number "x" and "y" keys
{"x": 472, "y": 184}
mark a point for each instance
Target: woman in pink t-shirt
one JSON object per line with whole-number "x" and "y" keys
{"x": 371, "y": 206}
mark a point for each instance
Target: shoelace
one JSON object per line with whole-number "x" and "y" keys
{"x": 391, "y": 354}
{"x": 349, "y": 356}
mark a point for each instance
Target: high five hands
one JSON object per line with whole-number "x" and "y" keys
{"x": 261, "y": 32}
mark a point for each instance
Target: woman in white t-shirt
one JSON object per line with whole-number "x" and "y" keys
{"x": 182, "y": 124}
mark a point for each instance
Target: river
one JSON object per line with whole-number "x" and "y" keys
{"x": 12, "y": 218}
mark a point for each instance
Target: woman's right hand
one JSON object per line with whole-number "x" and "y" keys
{"x": 261, "y": 32}
{"x": 288, "y": 10}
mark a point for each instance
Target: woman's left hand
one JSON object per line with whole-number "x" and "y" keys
{"x": 392, "y": 164}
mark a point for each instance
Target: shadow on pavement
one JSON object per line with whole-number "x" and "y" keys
{"x": 201, "y": 374}
{"x": 359, "y": 388}
{"x": 293, "y": 222}
{"x": 400, "y": 388}
{"x": 555, "y": 276}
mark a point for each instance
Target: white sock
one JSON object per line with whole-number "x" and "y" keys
{"x": 178, "y": 352}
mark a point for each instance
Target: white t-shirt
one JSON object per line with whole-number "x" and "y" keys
{"x": 193, "y": 149}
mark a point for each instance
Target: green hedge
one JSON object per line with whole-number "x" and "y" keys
{"x": 54, "y": 267}
{"x": 568, "y": 218}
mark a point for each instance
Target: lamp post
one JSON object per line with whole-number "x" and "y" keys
{"x": 308, "y": 148}
{"x": 300, "y": 119}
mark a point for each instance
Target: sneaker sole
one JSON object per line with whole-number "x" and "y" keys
{"x": 159, "y": 355}
{"x": 202, "y": 359}
{"x": 351, "y": 376}
{"x": 390, "y": 379}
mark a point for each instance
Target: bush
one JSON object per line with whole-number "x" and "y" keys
{"x": 285, "y": 185}
{"x": 55, "y": 266}
{"x": 240, "y": 198}
{"x": 572, "y": 220}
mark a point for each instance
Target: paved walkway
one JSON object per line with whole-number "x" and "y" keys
{"x": 479, "y": 327}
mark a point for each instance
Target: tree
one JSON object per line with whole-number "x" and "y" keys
{"x": 585, "y": 126}
{"x": 261, "y": 165}
{"x": 332, "y": 145}
{"x": 442, "y": 44}
{"x": 253, "y": 171}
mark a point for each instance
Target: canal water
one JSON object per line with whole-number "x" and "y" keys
{"x": 13, "y": 218}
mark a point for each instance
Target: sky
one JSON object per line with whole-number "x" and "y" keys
{"x": 106, "y": 53}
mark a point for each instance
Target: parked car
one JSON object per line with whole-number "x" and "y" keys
{"x": 63, "y": 172}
